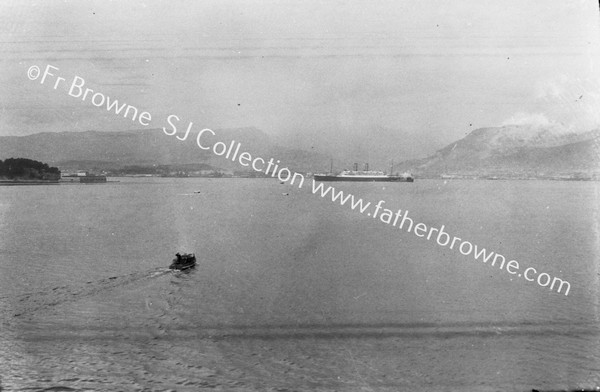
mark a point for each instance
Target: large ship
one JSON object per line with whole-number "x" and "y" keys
{"x": 365, "y": 175}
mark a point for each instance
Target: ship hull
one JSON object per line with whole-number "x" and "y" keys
{"x": 318, "y": 177}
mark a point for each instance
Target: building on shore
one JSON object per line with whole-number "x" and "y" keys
{"x": 82, "y": 176}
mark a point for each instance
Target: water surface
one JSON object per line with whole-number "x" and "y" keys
{"x": 294, "y": 291}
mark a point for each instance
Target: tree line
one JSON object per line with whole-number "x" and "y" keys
{"x": 27, "y": 168}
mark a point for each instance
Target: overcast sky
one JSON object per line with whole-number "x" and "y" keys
{"x": 430, "y": 69}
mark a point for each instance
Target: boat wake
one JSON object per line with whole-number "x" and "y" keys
{"x": 29, "y": 303}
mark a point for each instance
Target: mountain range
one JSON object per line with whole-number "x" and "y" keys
{"x": 515, "y": 151}
{"x": 113, "y": 150}
{"x": 509, "y": 151}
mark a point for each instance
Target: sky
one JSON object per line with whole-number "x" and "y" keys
{"x": 307, "y": 72}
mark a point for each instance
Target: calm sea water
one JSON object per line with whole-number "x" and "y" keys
{"x": 294, "y": 292}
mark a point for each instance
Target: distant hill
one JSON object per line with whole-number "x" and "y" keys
{"x": 112, "y": 150}
{"x": 515, "y": 151}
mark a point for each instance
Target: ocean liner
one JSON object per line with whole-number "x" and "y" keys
{"x": 365, "y": 175}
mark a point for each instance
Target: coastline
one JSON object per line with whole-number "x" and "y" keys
{"x": 25, "y": 182}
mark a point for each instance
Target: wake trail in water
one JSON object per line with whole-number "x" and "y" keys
{"x": 31, "y": 302}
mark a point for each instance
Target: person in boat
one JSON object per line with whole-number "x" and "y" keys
{"x": 178, "y": 257}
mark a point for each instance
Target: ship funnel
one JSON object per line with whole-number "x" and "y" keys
{"x": 355, "y": 166}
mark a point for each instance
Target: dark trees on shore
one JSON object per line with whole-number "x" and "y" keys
{"x": 27, "y": 169}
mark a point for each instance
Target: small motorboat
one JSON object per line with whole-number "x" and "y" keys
{"x": 183, "y": 261}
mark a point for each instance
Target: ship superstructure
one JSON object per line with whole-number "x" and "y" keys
{"x": 365, "y": 175}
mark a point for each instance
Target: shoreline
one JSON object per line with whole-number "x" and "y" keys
{"x": 19, "y": 182}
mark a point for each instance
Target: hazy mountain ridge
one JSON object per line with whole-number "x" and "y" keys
{"x": 151, "y": 147}
{"x": 514, "y": 151}
{"x": 511, "y": 151}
